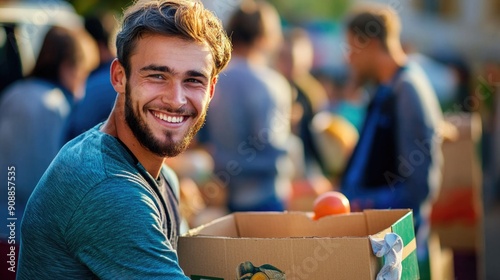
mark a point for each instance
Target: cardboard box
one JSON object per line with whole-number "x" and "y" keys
{"x": 293, "y": 246}
{"x": 441, "y": 260}
{"x": 461, "y": 162}
{"x": 456, "y": 205}
{"x": 459, "y": 236}
{"x": 456, "y": 218}
{"x": 457, "y": 213}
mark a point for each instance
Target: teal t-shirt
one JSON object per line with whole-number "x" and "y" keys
{"x": 97, "y": 213}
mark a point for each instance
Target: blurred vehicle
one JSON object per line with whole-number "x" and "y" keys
{"x": 23, "y": 25}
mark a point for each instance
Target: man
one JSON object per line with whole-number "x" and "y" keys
{"x": 106, "y": 207}
{"x": 397, "y": 161}
{"x": 248, "y": 124}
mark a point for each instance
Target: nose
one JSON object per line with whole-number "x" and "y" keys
{"x": 174, "y": 95}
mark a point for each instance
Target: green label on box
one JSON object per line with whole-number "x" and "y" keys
{"x": 198, "y": 277}
{"x": 405, "y": 229}
{"x": 410, "y": 267}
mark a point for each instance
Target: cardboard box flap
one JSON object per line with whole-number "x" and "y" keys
{"x": 299, "y": 258}
{"x": 298, "y": 224}
{"x": 401, "y": 223}
{"x": 224, "y": 227}
{"x": 379, "y": 220}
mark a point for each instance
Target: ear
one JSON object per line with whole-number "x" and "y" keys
{"x": 377, "y": 44}
{"x": 212, "y": 86}
{"x": 118, "y": 76}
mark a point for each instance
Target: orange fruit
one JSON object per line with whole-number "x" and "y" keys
{"x": 259, "y": 276}
{"x": 330, "y": 203}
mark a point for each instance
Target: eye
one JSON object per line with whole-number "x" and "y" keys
{"x": 156, "y": 76}
{"x": 193, "y": 80}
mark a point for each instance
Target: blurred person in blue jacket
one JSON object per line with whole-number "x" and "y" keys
{"x": 33, "y": 112}
{"x": 248, "y": 123}
{"x": 99, "y": 93}
{"x": 397, "y": 161}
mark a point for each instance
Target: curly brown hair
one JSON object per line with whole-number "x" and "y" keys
{"x": 181, "y": 18}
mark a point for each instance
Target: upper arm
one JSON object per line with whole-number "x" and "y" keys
{"x": 117, "y": 232}
{"x": 410, "y": 114}
{"x": 414, "y": 140}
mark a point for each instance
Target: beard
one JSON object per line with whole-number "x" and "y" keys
{"x": 166, "y": 147}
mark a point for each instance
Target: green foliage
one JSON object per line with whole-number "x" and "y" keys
{"x": 90, "y": 7}
{"x": 293, "y": 11}
{"x": 299, "y": 10}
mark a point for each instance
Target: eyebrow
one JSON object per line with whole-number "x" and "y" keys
{"x": 166, "y": 69}
{"x": 159, "y": 68}
{"x": 193, "y": 73}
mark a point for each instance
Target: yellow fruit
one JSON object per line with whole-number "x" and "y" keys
{"x": 259, "y": 276}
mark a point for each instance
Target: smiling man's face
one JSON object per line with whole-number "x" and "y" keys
{"x": 168, "y": 92}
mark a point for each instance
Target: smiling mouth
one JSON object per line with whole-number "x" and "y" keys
{"x": 167, "y": 118}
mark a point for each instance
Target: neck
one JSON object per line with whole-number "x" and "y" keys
{"x": 389, "y": 64}
{"x": 116, "y": 127}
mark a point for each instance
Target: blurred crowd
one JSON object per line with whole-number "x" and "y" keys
{"x": 279, "y": 130}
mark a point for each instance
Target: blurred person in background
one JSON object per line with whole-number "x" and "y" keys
{"x": 107, "y": 206}
{"x": 344, "y": 98}
{"x": 336, "y": 130}
{"x": 33, "y": 112}
{"x": 309, "y": 97}
{"x": 295, "y": 62}
{"x": 397, "y": 161}
{"x": 99, "y": 93}
{"x": 248, "y": 123}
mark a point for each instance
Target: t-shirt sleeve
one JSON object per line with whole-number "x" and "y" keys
{"x": 117, "y": 233}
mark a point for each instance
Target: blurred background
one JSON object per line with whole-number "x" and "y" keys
{"x": 457, "y": 42}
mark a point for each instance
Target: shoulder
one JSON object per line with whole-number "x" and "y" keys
{"x": 89, "y": 158}
{"x": 113, "y": 202}
{"x": 23, "y": 87}
{"x": 414, "y": 80}
{"x": 269, "y": 80}
{"x": 415, "y": 97}
{"x": 240, "y": 72}
{"x": 272, "y": 76}
{"x": 114, "y": 211}
{"x": 120, "y": 194}
{"x": 33, "y": 94}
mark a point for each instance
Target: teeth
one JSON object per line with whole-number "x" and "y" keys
{"x": 169, "y": 119}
